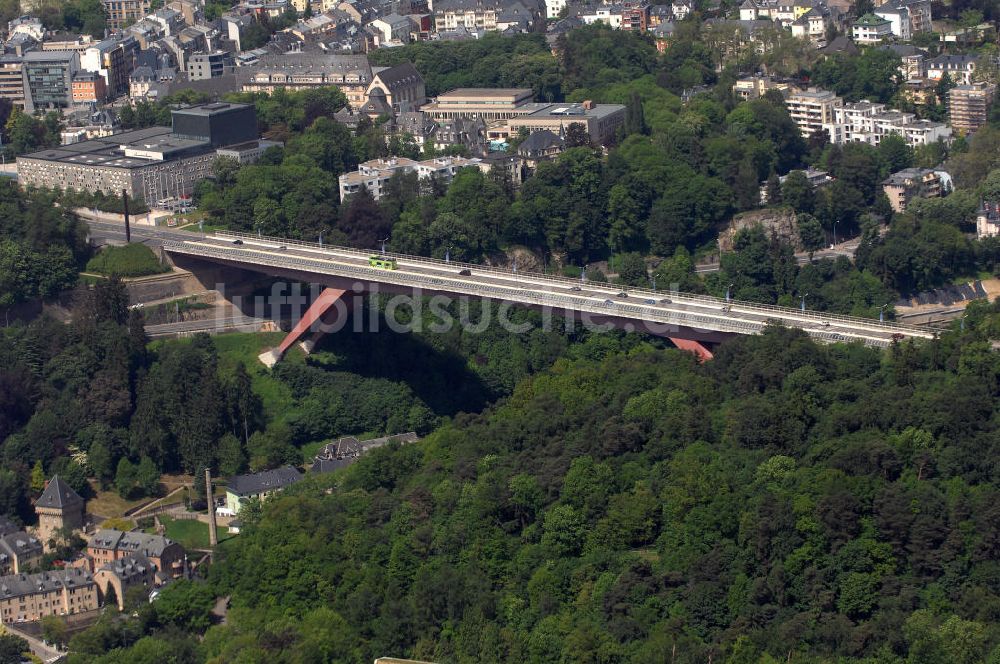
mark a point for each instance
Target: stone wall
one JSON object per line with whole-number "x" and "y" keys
{"x": 776, "y": 222}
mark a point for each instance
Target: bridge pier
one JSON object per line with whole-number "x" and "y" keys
{"x": 700, "y": 351}
{"x": 316, "y": 312}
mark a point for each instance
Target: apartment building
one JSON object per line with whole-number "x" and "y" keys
{"x": 108, "y": 546}
{"x": 450, "y": 15}
{"x": 754, "y": 87}
{"x": 373, "y": 175}
{"x": 116, "y": 578}
{"x": 903, "y": 186}
{"x": 114, "y": 60}
{"x": 89, "y": 88}
{"x": 988, "y": 219}
{"x": 635, "y": 16}
{"x": 906, "y": 17}
{"x": 31, "y": 597}
{"x": 969, "y": 105}
{"x": 123, "y": 13}
{"x": 12, "y": 79}
{"x": 19, "y": 551}
{"x": 48, "y": 79}
{"x": 812, "y": 109}
{"x": 867, "y": 122}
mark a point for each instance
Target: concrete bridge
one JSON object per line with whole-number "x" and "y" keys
{"x": 691, "y": 321}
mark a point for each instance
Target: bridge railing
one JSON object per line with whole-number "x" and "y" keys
{"x": 781, "y": 312}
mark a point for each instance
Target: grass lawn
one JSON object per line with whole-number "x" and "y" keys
{"x": 191, "y": 534}
{"x": 133, "y": 260}
{"x": 109, "y": 504}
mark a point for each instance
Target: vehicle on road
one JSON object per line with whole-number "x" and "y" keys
{"x": 650, "y": 301}
{"x": 282, "y": 248}
{"x": 575, "y": 288}
{"x": 622, "y": 295}
{"x": 237, "y": 241}
{"x": 466, "y": 272}
{"x": 381, "y": 262}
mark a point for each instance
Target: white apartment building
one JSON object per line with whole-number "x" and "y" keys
{"x": 868, "y": 122}
{"x": 812, "y": 109}
{"x": 374, "y": 174}
{"x": 871, "y": 29}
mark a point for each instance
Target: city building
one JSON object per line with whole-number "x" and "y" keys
{"x": 960, "y": 68}
{"x": 905, "y": 185}
{"x": 88, "y": 87}
{"x": 48, "y": 79}
{"x": 108, "y": 546}
{"x": 811, "y": 109}
{"x": 201, "y": 66}
{"x": 19, "y": 551}
{"x": 123, "y": 13}
{"x": 114, "y": 60}
{"x": 906, "y": 17}
{"x": 31, "y": 597}
{"x": 969, "y": 105}
{"x": 988, "y": 219}
{"x": 374, "y": 174}
{"x": 868, "y": 122}
{"x": 12, "y": 79}
{"x": 149, "y": 164}
{"x": 815, "y": 177}
{"x": 754, "y": 87}
{"x": 247, "y": 153}
{"x": 116, "y": 578}
{"x": 601, "y": 121}
{"x": 635, "y": 16}
{"x": 485, "y": 103}
{"x": 402, "y": 85}
{"x": 871, "y": 29}
{"x": 261, "y": 486}
{"x": 393, "y": 29}
{"x": 352, "y": 74}
{"x": 59, "y": 508}
{"x": 450, "y": 15}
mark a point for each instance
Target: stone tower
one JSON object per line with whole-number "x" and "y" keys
{"x": 58, "y": 507}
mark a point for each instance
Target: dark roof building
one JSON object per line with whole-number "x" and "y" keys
{"x": 265, "y": 482}
{"x": 59, "y": 495}
{"x": 345, "y": 451}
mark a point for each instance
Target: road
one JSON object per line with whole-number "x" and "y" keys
{"x": 214, "y": 324}
{"x": 655, "y": 312}
{"x": 846, "y": 249}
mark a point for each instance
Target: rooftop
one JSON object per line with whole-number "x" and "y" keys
{"x": 269, "y": 480}
{"x": 19, "y": 585}
{"x": 58, "y": 495}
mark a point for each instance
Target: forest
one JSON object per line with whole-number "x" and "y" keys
{"x": 785, "y": 502}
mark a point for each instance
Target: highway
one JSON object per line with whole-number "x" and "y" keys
{"x": 655, "y": 312}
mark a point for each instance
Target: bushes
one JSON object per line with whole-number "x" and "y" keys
{"x": 132, "y": 260}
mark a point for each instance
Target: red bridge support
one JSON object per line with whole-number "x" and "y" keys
{"x": 314, "y": 314}
{"x": 695, "y": 347}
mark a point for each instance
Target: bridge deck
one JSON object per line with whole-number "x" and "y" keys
{"x": 657, "y": 312}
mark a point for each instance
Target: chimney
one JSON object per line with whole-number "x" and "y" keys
{"x": 213, "y": 534}
{"x": 588, "y": 105}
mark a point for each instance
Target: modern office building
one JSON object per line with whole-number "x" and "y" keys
{"x": 201, "y": 66}
{"x": 48, "y": 79}
{"x": 149, "y": 164}
{"x": 601, "y": 121}
{"x": 969, "y": 105}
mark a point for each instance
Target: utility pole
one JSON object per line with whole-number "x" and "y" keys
{"x": 128, "y": 229}
{"x": 213, "y": 534}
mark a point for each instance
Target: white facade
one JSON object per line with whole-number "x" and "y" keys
{"x": 867, "y": 122}
{"x": 899, "y": 21}
{"x": 553, "y": 7}
{"x": 373, "y": 175}
{"x": 812, "y": 109}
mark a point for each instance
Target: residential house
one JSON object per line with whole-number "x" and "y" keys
{"x": 905, "y": 185}
{"x": 960, "y": 68}
{"x": 416, "y": 124}
{"x": 470, "y": 133}
{"x": 259, "y": 485}
{"x": 681, "y": 9}
{"x": 31, "y": 597}
{"x": 813, "y": 25}
{"x": 871, "y": 29}
{"x": 988, "y": 219}
{"x": 393, "y": 29}
{"x": 815, "y": 177}
{"x": 347, "y": 450}
{"x": 906, "y": 17}
{"x": 540, "y": 146}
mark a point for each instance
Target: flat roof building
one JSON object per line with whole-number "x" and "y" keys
{"x": 811, "y": 109}
{"x": 968, "y": 105}
{"x": 601, "y": 121}
{"x": 485, "y": 103}
{"x": 48, "y": 79}
{"x": 149, "y": 164}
